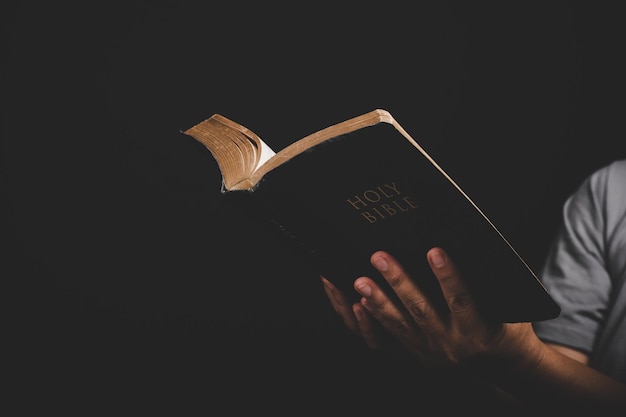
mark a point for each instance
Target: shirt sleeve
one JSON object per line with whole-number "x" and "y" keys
{"x": 575, "y": 271}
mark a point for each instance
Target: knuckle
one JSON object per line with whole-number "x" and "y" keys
{"x": 395, "y": 277}
{"x": 378, "y": 304}
{"x": 418, "y": 306}
{"x": 420, "y": 311}
{"x": 402, "y": 325}
{"x": 459, "y": 303}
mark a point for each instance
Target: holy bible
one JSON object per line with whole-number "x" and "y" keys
{"x": 338, "y": 195}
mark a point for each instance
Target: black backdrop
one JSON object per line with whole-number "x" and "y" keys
{"x": 127, "y": 281}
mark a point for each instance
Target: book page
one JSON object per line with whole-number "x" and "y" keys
{"x": 308, "y": 142}
{"x": 266, "y": 153}
{"x": 238, "y": 151}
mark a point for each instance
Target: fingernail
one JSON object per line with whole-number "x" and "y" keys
{"x": 380, "y": 263}
{"x": 364, "y": 289}
{"x": 437, "y": 259}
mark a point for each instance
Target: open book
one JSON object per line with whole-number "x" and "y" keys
{"x": 364, "y": 184}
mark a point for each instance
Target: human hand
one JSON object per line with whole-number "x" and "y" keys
{"x": 457, "y": 336}
{"x": 508, "y": 355}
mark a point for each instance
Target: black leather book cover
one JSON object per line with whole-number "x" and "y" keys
{"x": 369, "y": 190}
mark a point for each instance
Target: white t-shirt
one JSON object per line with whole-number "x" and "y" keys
{"x": 585, "y": 272}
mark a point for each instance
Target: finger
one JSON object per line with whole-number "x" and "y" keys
{"x": 341, "y": 305}
{"x": 455, "y": 291}
{"x": 369, "y": 331}
{"x": 393, "y": 318}
{"x": 414, "y": 299}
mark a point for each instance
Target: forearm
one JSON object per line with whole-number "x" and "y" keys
{"x": 562, "y": 382}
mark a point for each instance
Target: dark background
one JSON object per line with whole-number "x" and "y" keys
{"x": 129, "y": 286}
